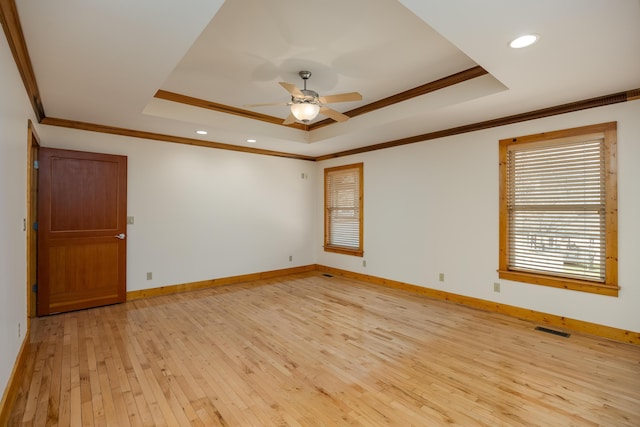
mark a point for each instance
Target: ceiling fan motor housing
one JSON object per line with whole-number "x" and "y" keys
{"x": 310, "y": 97}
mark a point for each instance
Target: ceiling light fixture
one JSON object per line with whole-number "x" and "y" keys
{"x": 201, "y": 132}
{"x": 305, "y": 111}
{"x": 306, "y": 104}
{"x": 252, "y": 141}
{"x": 305, "y": 108}
{"x": 524, "y": 41}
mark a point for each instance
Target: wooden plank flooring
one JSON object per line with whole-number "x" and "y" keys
{"x": 309, "y": 350}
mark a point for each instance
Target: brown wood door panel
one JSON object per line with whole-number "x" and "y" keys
{"x": 82, "y": 271}
{"x": 82, "y": 208}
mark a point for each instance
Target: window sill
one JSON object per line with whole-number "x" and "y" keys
{"x": 344, "y": 251}
{"x": 559, "y": 282}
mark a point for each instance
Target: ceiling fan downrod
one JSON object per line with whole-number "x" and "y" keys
{"x": 304, "y": 75}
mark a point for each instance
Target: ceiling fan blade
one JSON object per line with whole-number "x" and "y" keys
{"x": 341, "y": 97}
{"x": 292, "y": 89}
{"x": 289, "y": 120}
{"x": 265, "y": 105}
{"x": 333, "y": 114}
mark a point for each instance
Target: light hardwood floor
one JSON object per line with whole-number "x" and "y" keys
{"x": 309, "y": 350}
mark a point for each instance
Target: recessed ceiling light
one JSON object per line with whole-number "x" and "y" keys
{"x": 524, "y": 41}
{"x": 252, "y": 140}
{"x": 201, "y": 132}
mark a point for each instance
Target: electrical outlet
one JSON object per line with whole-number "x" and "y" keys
{"x": 149, "y": 275}
{"x": 496, "y": 287}
{"x": 364, "y": 263}
{"x": 441, "y": 277}
{"x": 19, "y": 333}
{"x": 290, "y": 258}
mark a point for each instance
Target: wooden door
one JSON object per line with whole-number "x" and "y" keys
{"x": 82, "y": 213}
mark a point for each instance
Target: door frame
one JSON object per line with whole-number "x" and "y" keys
{"x": 33, "y": 148}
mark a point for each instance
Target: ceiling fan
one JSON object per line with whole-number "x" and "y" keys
{"x": 306, "y": 104}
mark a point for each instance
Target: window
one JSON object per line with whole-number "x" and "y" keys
{"x": 558, "y": 209}
{"x": 343, "y": 209}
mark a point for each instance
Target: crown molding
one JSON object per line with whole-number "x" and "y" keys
{"x": 601, "y": 101}
{"x": 92, "y": 127}
{"x": 442, "y": 83}
{"x": 15, "y": 38}
{"x": 221, "y": 108}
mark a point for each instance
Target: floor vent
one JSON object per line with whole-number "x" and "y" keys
{"x": 551, "y": 331}
{"x": 327, "y": 275}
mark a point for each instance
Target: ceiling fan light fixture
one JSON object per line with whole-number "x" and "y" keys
{"x": 306, "y": 104}
{"x": 305, "y": 111}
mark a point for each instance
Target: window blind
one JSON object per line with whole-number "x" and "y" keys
{"x": 556, "y": 208}
{"x": 343, "y": 207}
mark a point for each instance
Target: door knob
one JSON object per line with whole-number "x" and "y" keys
{"x": 120, "y": 236}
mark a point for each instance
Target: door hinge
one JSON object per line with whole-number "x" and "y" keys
{"x": 34, "y": 287}
{"x": 35, "y": 226}
{"x": 36, "y": 164}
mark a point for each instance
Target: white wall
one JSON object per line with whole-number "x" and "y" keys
{"x": 201, "y": 213}
{"x": 15, "y": 111}
{"x": 432, "y": 207}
